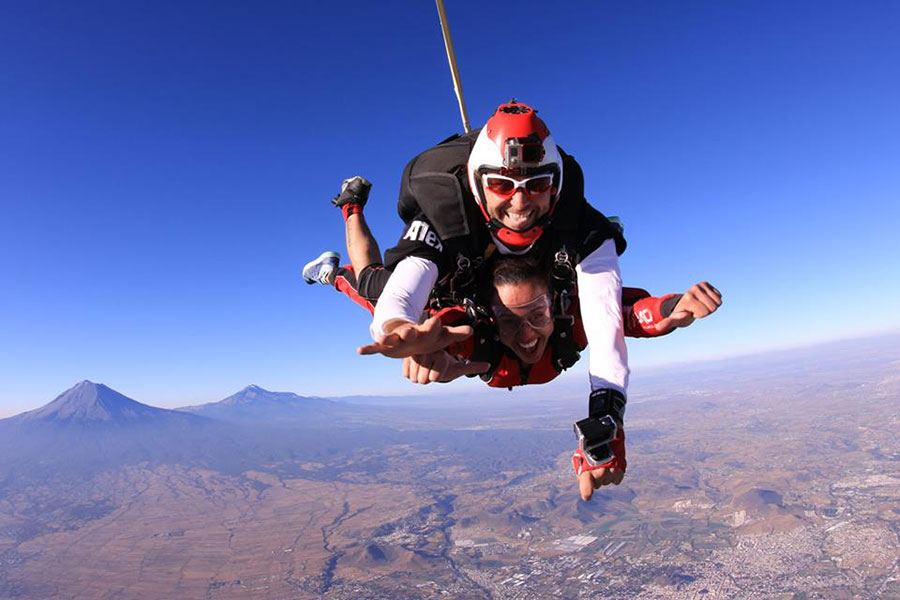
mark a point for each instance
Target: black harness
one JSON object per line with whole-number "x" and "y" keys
{"x": 435, "y": 184}
{"x": 566, "y": 350}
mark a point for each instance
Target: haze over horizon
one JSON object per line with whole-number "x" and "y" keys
{"x": 648, "y": 377}
{"x": 167, "y": 171}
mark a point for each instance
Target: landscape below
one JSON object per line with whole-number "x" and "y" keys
{"x": 772, "y": 476}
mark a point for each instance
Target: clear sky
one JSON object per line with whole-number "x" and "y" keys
{"x": 166, "y": 169}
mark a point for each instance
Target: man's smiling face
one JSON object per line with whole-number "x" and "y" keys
{"x": 519, "y": 211}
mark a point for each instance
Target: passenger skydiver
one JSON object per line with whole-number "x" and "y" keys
{"x": 526, "y": 330}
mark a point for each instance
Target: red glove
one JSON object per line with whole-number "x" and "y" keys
{"x": 581, "y": 463}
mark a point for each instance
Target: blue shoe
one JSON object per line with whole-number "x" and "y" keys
{"x": 322, "y": 269}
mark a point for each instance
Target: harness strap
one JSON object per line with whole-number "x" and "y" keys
{"x": 462, "y": 283}
{"x": 562, "y": 342}
{"x": 486, "y": 341}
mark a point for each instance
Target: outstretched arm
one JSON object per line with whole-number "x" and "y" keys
{"x": 404, "y": 296}
{"x": 440, "y": 366}
{"x": 701, "y": 300}
{"x": 600, "y": 297}
{"x": 395, "y": 324}
{"x": 411, "y": 339}
{"x": 647, "y": 316}
{"x": 600, "y": 293}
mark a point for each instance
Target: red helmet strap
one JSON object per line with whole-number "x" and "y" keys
{"x": 519, "y": 239}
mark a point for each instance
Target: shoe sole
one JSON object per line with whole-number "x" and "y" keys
{"x": 321, "y": 258}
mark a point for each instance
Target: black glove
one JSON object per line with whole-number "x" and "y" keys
{"x": 353, "y": 191}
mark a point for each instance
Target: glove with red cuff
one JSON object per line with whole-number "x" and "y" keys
{"x": 601, "y": 437}
{"x": 353, "y": 196}
{"x": 646, "y": 312}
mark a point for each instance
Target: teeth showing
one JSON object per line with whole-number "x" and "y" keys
{"x": 530, "y": 345}
{"x": 518, "y": 219}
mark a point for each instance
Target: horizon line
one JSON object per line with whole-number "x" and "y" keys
{"x": 658, "y": 366}
{"x": 769, "y": 349}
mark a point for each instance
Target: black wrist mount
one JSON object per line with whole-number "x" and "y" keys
{"x": 606, "y": 409}
{"x": 607, "y": 401}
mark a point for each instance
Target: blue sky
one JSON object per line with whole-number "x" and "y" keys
{"x": 165, "y": 170}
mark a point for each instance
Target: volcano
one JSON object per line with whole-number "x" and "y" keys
{"x": 254, "y": 403}
{"x": 89, "y": 402}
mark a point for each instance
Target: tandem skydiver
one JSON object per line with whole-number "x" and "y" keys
{"x": 526, "y": 329}
{"x": 496, "y": 190}
{"x": 523, "y": 335}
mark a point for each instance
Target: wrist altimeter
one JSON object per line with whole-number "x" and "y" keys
{"x": 606, "y": 410}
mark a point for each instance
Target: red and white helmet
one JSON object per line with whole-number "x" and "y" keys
{"x": 514, "y": 141}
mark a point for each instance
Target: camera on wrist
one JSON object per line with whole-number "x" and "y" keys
{"x": 595, "y": 433}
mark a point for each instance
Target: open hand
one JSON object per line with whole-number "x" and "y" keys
{"x": 701, "y": 300}
{"x": 439, "y": 366}
{"x": 589, "y": 481}
{"x": 409, "y": 339}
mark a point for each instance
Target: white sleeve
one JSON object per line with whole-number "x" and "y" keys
{"x": 600, "y": 297}
{"x": 405, "y": 294}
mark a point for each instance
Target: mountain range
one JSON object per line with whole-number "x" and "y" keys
{"x": 91, "y": 427}
{"x": 254, "y": 403}
{"x": 95, "y": 403}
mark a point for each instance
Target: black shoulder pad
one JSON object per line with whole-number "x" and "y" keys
{"x": 570, "y": 207}
{"x": 442, "y": 200}
{"x": 573, "y": 176}
{"x": 434, "y": 184}
{"x": 597, "y": 229}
